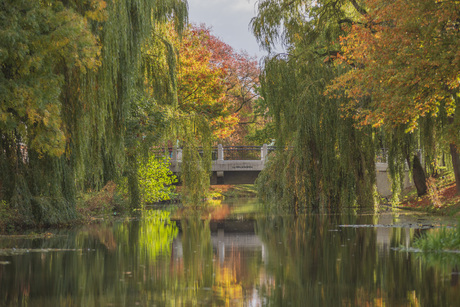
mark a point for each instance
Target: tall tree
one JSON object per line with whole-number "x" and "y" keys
{"x": 328, "y": 161}
{"x": 69, "y": 81}
{"x": 213, "y": 83}
{"x": 44, "y": 44}
{"x": 406, "y": 63}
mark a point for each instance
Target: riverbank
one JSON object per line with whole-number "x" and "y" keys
{"x": 107, "y": 204}
{"x": 233, "y": 191}
{"x": 442, "y": 198}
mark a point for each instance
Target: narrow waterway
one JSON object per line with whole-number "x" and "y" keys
{"x": 236, "y": 256}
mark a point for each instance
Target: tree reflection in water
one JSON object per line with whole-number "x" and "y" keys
{"x": 239, "y": 260}
{"x": 316, "y": 263}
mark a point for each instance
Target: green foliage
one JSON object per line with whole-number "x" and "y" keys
{"x": 70, "y": 81}
{"x": 155, "y": 180}
{"x": 8, "y": 217}
{"x": 323, "y": 160}
{"x": 440, "y": 240}
{"x": 196, "y": 159}
{"x": 145, "y": 124}
{"x": 440, "y": 248}
{"x": 265, "y": 133}
{"x": 303, "y": 22}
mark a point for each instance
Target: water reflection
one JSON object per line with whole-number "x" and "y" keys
{"x": 236, "y": 258}
{"x": 316, "y": 263}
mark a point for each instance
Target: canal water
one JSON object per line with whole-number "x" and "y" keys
{"x": 233, "y": 255}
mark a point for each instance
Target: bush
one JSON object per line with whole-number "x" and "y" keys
{"x": 440, "y": 240}
{"x": 156, "y": 180}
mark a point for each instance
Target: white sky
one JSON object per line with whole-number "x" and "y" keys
{"x": 229, "y": 20}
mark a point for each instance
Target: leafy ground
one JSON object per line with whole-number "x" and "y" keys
{"x": 442, "y": 198}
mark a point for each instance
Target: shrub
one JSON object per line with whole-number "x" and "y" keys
{"x": 156, "y": 180}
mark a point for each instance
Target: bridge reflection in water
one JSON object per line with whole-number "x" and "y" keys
{"x": 227, "y": 237}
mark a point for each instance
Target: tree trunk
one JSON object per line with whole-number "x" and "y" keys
{"x": 455, "y": 165}
{"x": 133, "y": 182}
{"x": 418, "y": 175}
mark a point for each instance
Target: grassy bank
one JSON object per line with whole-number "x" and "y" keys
{"x": 233, "y": 191}
{"x": 442, "y": 199}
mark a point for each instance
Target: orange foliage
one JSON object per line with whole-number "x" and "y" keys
{"x": 405, "y": 58}
{"x": 214, "y": 81}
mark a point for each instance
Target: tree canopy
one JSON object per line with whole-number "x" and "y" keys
{"x": 406, "y": 58}
{"x": 69, "y": 82}
{"x": 213, "y": 84}
{"x": 396, "y": 66}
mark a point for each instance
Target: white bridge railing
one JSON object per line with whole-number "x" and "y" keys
{"x": 230, "y": 158}
{"x": 233, "y": 153}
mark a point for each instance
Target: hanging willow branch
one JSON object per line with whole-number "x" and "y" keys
{"x": 77, "y": 68}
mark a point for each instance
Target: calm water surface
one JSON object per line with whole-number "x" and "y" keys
{"x": 238, "y": 256}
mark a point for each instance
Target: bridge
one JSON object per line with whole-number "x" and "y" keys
{"x": 231, "y": 164}
{"x": 242, "y": 165}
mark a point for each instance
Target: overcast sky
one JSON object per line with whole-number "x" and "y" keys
{"x": 229, "y": 20}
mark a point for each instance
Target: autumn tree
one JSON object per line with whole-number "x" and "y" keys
{"x": 241, "y": 79}
{"x": 69, "y": 81}
{"x": 212, "y": 82}
{"x": 406, "y": 62}
{"x": 202, "y": 80}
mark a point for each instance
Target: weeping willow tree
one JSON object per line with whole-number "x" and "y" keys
{"x": 324, "y": 161}
{"x": 196, "y": 135}
{"x": 124, "y": 37}
{"x": 161, "y": 65}
{"x": 72, "y": 104}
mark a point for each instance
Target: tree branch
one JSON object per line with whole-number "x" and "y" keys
{"x": 360, "y": 10}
